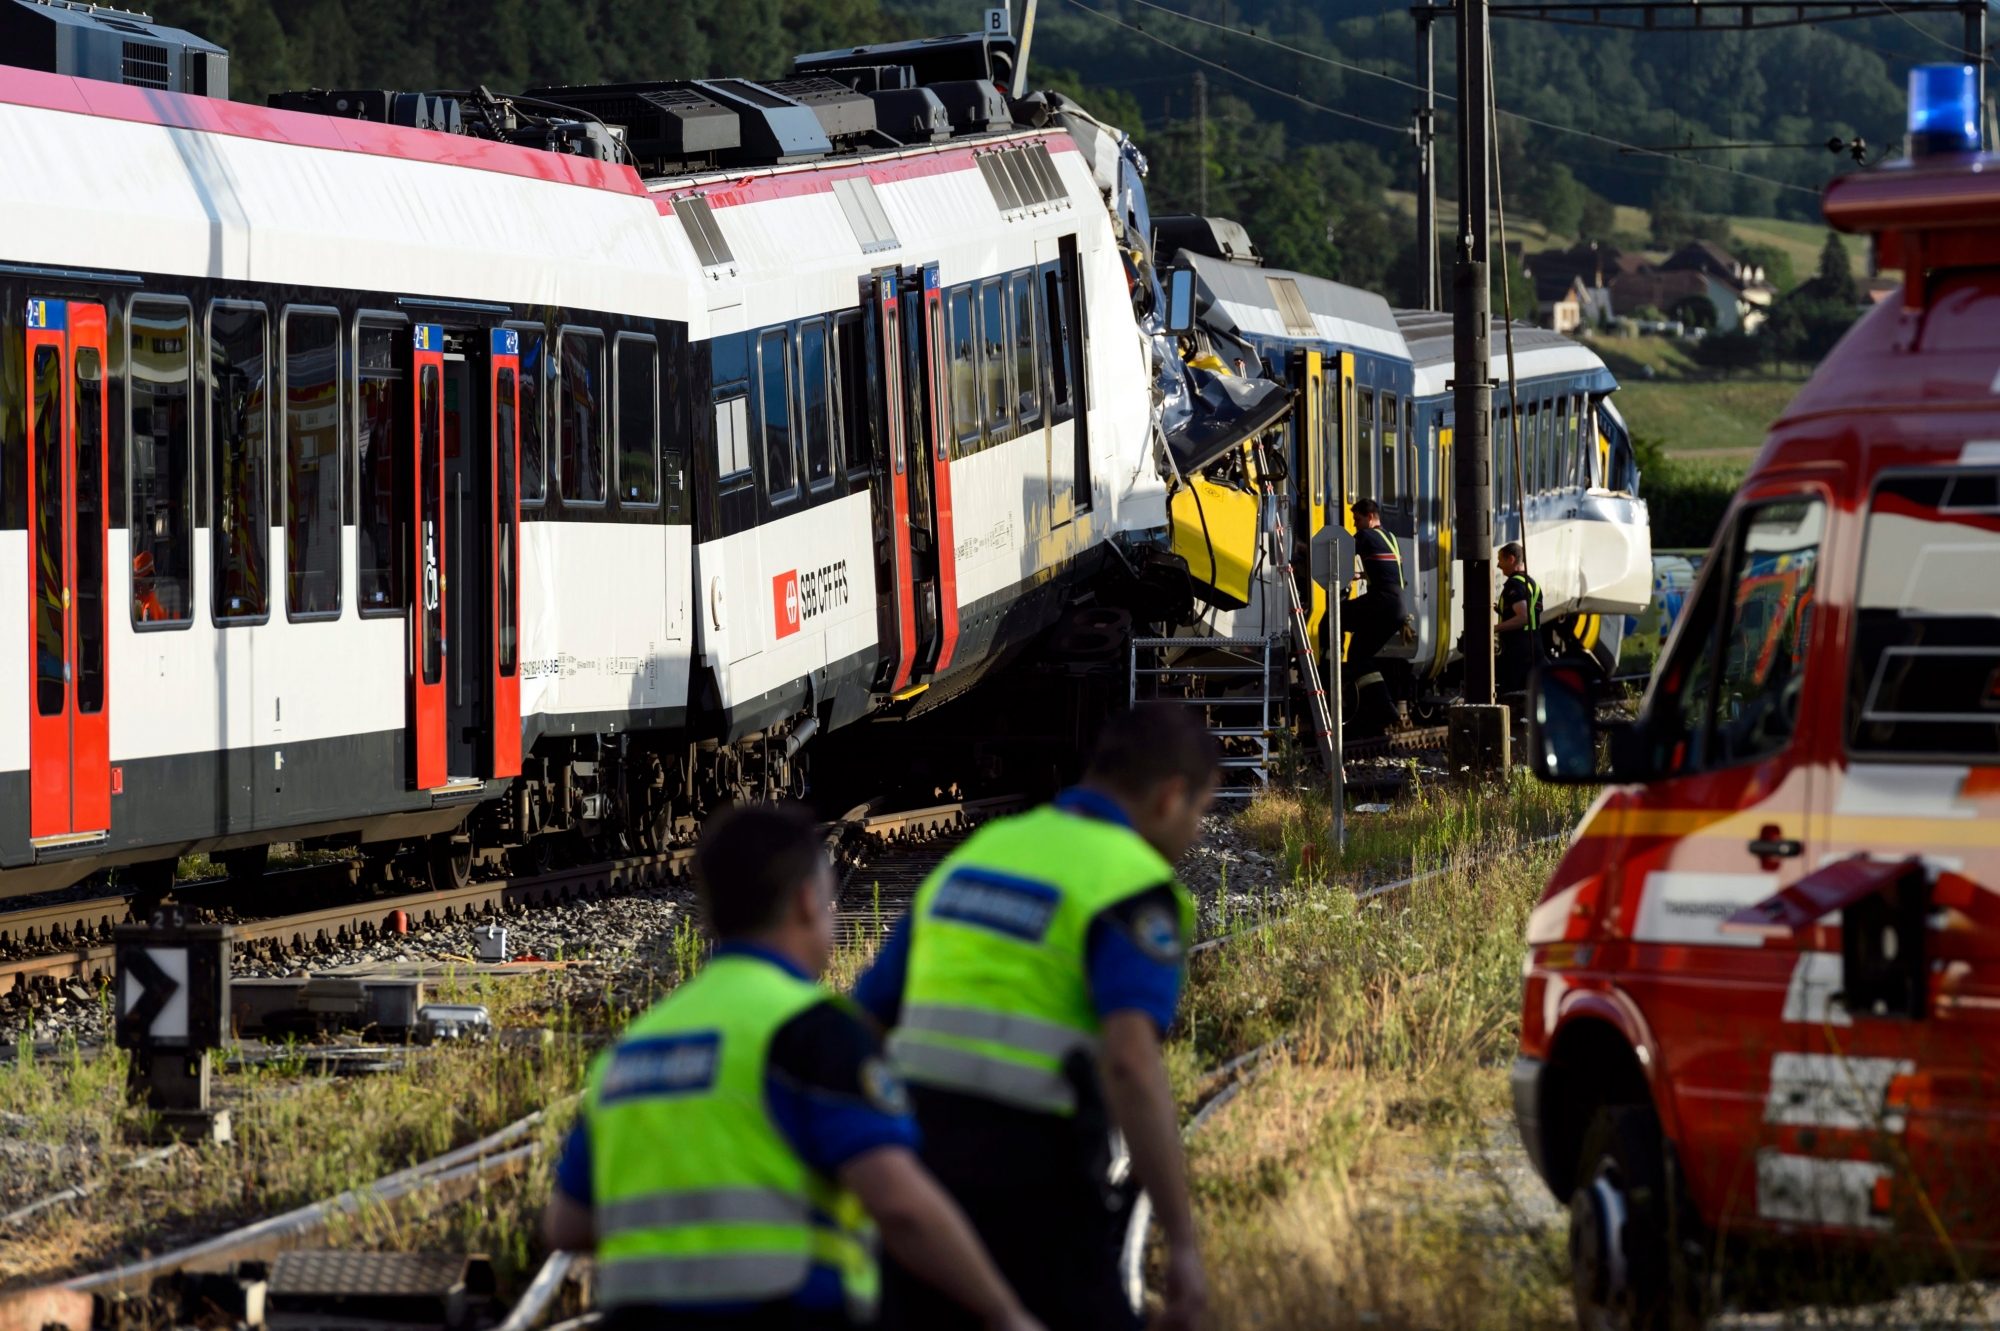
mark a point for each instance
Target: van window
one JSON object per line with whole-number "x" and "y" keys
{"x": 1925, "y": 678}
{"x": 1731, "y": 693}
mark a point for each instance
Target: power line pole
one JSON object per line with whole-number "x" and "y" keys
{"x": 1975, "y": 53}
{"x": 1427, "y": 190}
{"x": 1472, "y": 393}
{"x": 1201, "y": 143}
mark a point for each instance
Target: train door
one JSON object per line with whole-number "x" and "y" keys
{"x": 921, "y": 434}
{"x": 501, "y": 509}
{"x": 430, "y": 754}
{"x": 69, "y": 716}
{"x": 895, "y": 560}
{"x": 1309, "y": 470}
{"x": 930, "y": 347}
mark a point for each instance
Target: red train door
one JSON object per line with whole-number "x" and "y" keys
{"x": 895, "y": 577}
{"x": 937, "y": 443}
{"x": 504, "y": 504}
{"x": 69, "y": 719}
{"x": 429, "y": 764}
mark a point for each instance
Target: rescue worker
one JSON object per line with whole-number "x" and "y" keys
{"x": 1028, "y": 989}
{"x": 736, "y": 1140}
{"x": 145, "y": 603}
{"x": 1520, "y": 623}
{"x": 1372, "y": 619}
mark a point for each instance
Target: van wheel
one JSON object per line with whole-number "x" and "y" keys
{"x": 1618, "y": 1250}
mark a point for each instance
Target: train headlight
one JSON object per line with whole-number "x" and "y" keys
{"x": 1944, "y": 110}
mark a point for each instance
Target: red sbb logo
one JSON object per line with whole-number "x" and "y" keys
{"x": 785, "y": 610}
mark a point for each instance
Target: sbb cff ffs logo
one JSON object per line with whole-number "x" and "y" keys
{"x": 797, "y": 597}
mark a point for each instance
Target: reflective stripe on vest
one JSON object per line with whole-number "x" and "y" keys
{"x": 701, "y": 1278}
{"x": 997, "y": 996}
{"x": 663, "y": 1210}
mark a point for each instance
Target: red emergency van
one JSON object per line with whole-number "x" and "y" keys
{"x": 1760, "y": 1037}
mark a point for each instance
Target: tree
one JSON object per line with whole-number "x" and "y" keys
{"x": 1730, "y": 352}
{"x": 1836, "y": 271}
{"x": 1696, "y": 312}
{"x": 1597, "y": 219}
{"x": 1776, "y": 263}
{"x": 1675, "y": 222}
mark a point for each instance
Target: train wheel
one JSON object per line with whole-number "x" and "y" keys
{"x": 449, "y": 860}
{"x": 1618, "y": 1227}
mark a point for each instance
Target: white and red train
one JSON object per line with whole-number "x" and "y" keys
{"x": 374, "y": 484}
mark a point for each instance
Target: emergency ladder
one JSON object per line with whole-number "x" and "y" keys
{"x": 1209, "y": 667}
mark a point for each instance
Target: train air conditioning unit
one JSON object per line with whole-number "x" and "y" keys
{"x": 116, "y": 45}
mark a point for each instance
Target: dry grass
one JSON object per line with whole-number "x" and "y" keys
{"x": 1362, "y": 1180}
{"x": 300, "y": 1138}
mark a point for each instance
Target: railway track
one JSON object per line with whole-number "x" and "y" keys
{"x": 71, "y": 941}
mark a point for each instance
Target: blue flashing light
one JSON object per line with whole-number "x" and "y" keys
{"x": 1944, "y": 110}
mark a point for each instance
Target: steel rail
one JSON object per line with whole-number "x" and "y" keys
{"x": 357, "y": 922}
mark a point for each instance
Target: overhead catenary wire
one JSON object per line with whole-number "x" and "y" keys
{"x": 1539, "y": 123}
{"x": 1256, "y": 83}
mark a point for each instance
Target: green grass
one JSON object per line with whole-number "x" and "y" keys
{"x": 1357, "y": 1182}
{"x": 1692, "y": 418}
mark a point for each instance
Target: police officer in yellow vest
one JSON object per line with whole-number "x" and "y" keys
{"x": 743, "y": 1141}
{"x": 1028, "y": 990}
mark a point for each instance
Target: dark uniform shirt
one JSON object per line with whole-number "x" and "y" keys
{"x": 1382, "y": 563}
{"x": 1517, "y": 646}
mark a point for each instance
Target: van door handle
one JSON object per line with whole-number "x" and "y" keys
{"x": 1772, "y": 844}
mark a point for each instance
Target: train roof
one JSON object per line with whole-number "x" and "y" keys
{"x": 1538, "y": 352}
{"x": 1249, "y": 298}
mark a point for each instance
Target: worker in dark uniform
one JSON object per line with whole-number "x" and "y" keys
{"x": 1520, "y": 623}
{"x": 736, "y": 1142}
{"x": 1372, "y": 619}
{"x": 1029, "y": 989}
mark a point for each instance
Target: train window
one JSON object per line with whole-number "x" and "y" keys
{"x": 239, "y": 445}
{"x": 1531, "y": 448}
{"x": 51, "y": 598}
{"x": 1573, "y": 461}
{"x": 964, "y": 374}
{"x": 312, "y": 462}
{"x": 856, "y": 420}
{"x": 159, "y": 364}
{"x": 815, "y": 419}
{"x": 1331, "y": 408}
{"x": 1392, "y": 482}
{"x": 88, "y": 570}
{"x": 430, "y": 513}
{"x": 1365, "y": 450}
{"x": 1547, "y": 446}
{"x": 729, "y": 372}
{"x": 534, "y": 416}
{"x": 781, "y": 472}
{"x": 638, "y": 420}
{"x": 507, "y": 560}
{"x": 1027, "y": 388}
{"x": 993, "y": 361}
{"x": 378, "y": 551}
{"x": 1410, "y": 484}
{"x": 1062, "y": 363}
{"x": 1586, "y": 449}
{"x": 580, "y": 410}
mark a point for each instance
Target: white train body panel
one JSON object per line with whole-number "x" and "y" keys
{"x": 225, "y": 734}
